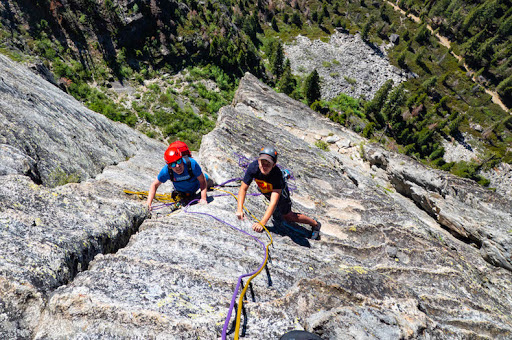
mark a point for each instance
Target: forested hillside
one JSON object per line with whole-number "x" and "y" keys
{"x": 166, "y": 67}
{"x": 480, "y": 32}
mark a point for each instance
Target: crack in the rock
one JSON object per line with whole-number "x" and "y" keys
{"x": 103, "y": 244}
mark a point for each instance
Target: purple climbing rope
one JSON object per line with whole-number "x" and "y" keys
{"x": 237, "y": 288}
{"x": 243, "y": 162}
{"x": 228, "y": 181}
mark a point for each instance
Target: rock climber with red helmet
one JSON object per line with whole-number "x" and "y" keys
{"x": 272, "y": 185}
{"x": 184, "y": 172}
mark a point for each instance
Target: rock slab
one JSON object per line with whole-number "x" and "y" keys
{"x": 402, "y": 252}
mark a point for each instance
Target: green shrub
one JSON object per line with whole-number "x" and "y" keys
{"x": 322, "y": 145}
{"x": 469, "y": 170}
{"x": 164, "y": 98}
{"x": 368, "y": 130}
{"x": 439, "y": 163}
{"x": 437, "y": 153}
{"x": 316, "y": 106}
{"x": 154, "y": 87}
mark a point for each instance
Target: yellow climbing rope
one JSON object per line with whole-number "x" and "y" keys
{"x": 242, "y": 294}
{"x": 164, "y": 198}
{"x": 167, "y": 198}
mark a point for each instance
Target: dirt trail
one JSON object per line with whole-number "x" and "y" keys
{"x": 447, "y": 43}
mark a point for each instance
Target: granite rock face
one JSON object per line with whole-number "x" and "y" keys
{"x": 471, "y": 213}
{"x": 49, "y": 134}
{"x": 51, "y": 234}
{"x": 401, "y": 254}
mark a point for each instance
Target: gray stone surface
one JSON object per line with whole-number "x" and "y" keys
{"x": 471, "y": 213}
{"x": 49, "y": 235}
{"x": 500, "y": 178}
{"x": 42, "y": 123}
{"x": 84, "y": 261}
{"x": 345, "y": 64}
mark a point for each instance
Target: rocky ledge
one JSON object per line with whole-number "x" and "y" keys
{"x": 405, "y": 252}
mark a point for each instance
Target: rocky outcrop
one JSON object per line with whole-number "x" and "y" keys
{"x": 501, "y": 178}
{"x": 53, "y": 135}
{"x": 346, "y": 64}
{"x": 471, "y": 213}
{"x": 387, "y": 267}
{"x": 51, "y": 234}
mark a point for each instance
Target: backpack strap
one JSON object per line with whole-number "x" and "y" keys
{"x": 189, "y": 169}
{"x": 189, "y": 166}
{"x": 171, "y": 173}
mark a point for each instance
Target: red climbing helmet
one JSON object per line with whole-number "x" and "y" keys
{"x": 172, "y": 154}
{"x": 175, "y": 151}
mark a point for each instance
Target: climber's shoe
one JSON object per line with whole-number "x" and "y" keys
{"x": 315, "y": 233}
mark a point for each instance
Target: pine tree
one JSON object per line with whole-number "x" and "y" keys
{"x": 314, "y": 16}
{"x": 287, "y": 82}
{"x": 373, "y": 106}
{"x": 505, "y": 27}
{"x": 470, "y": 18}
{"x": 296, "y": 20}
{"x": 423, "y": 34}
{"x": 312, "y": 87}
{"x": 366, "y": 29}
{"x": 401, "y": 59}
{"x": 391, "y": 110}
{"x": 274, "y": 24}
{"x": 276, "y": 60}
{"x": 489, "y": 9}
{"x": 325, "y": 11}
{"x": 505, "y": 88}
{"x": 486, "y": 51}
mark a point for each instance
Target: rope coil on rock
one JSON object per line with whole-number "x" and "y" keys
{"x": 170, "y": 201}
{"x": 254, "y": 274}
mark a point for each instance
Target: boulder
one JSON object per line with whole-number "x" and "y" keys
{"x": 394, "y": 38}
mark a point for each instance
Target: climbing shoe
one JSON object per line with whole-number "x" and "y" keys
{"x": 315, "y": 233}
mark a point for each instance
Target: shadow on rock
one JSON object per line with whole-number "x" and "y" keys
{"x": 296, "y": 232}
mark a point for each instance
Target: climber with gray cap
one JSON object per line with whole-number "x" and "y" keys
{"x": 272, "y": 185}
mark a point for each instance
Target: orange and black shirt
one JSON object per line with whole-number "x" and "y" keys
{"x": 266, "y": 184}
